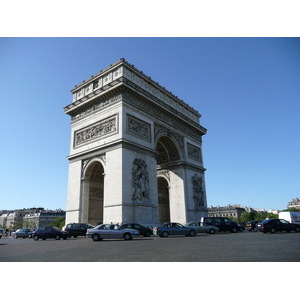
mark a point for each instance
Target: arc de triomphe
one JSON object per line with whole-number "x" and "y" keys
{"x": 135, "y": 153}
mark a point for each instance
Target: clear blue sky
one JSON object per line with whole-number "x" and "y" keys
{"x": 246, "y": 89}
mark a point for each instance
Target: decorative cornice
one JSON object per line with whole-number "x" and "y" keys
{"x": 116, "y": 74}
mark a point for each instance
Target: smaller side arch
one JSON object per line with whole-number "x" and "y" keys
{"x": 92, "y": 190}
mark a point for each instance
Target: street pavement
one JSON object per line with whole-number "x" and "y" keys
{"x": 222, "y": 247}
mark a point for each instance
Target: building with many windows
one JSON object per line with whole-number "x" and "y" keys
{"x": 43, "y": 218}
{"x": 29, "y": 218}
{"x": 233, "y": 211}
{"x": 295, "y": 203}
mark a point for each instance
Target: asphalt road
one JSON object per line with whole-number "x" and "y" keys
{"x": 222, "y": 247}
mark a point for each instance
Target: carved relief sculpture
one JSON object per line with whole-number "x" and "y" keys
{"x": 198, "y": 193}
{"x": 194, "y": 152}
{"x": 95, "y": 131}
{"x": 140, "y": 181}
{"x": 138, "y": 128}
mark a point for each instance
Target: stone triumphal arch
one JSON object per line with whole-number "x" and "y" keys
{"x": 135, "y": 153}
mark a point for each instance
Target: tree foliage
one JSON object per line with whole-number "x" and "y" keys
{"x": 249, "y": 216}
{"x": 292, "y": 209}
{"x": 58, "y": 222}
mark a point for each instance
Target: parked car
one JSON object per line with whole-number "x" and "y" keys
{"x": 251, "y": 225}
{"x": 224, "y": 224}
{"x": 241, "y": 227}
{"x": 77, "y": 229}
{"x": 273, "y": 225}
{"x": 1, "y": 232}
{"x": 24, "y": 233}
{"x": 172, "y": 228}
{"x": 48, "y": 232}
{"x": 145, "y": 231}
{"x": 111, "y": 231}
{"x": 203, "y": 228}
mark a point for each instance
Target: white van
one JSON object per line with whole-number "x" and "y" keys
{"x": 290, "y": 216}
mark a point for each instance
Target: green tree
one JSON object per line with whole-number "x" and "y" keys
{"x": 58, "y": 222}
{"x": 17, "y": 225}
{"x": 272, "y": 216}
{"x": 247, "y": 216}
{"x": 261, "y": 215}
{"x": 292, "y": 209}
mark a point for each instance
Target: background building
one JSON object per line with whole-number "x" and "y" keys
{"x": 233, "y": 211}
{"x": 43, "y": 218}
{"x": 29, "y": 218}
{"x": 295, "y": 203}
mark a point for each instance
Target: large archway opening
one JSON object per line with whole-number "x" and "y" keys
{"x": 167, "y": 154}
{"x": 95, "y": 177}
{"x": 163, "y": 200}
{"x": 166, "y": 150}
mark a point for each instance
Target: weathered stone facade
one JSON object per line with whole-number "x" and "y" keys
{"x": 135, "y": 152}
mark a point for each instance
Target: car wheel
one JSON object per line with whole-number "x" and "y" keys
{"x": 297, "y": 229}
{"x": 165, "y": 234}
{"x": 272, "y": 230}
{"x": 96, "y": 238}
{"x": 57, "y": 237}
{"x": 127, "y": 236}
{"x": 75, "y": 236}
{"x": 212, "y": 231}
{"x": 147, "y": 234}
{"x": 234, "y": 230}
{"x": 192, "y": 233}
{"x": 36, "y": 238}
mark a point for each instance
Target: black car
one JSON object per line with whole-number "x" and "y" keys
{"x": 273, "y": 225}
{"x": 145, "y": 231}
{"x": 48, "y": 232}
{"x": 77, "y": 229}
{"x": 224, "y": 224}
{"x": 251, "y": 225}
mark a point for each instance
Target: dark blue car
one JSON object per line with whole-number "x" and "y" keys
{"x": 48, "y": 232}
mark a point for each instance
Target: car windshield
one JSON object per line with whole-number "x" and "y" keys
{"x": 177, "y": 225}
{"x": 56, "y": 228}
{"x": 284, "y": 221}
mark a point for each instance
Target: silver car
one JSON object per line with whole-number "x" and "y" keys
{"x": 24, "y": 233}
{"x": 111, "y": 231}
{"x": 203, "y": 228}
{"x": 172, "y": 228}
